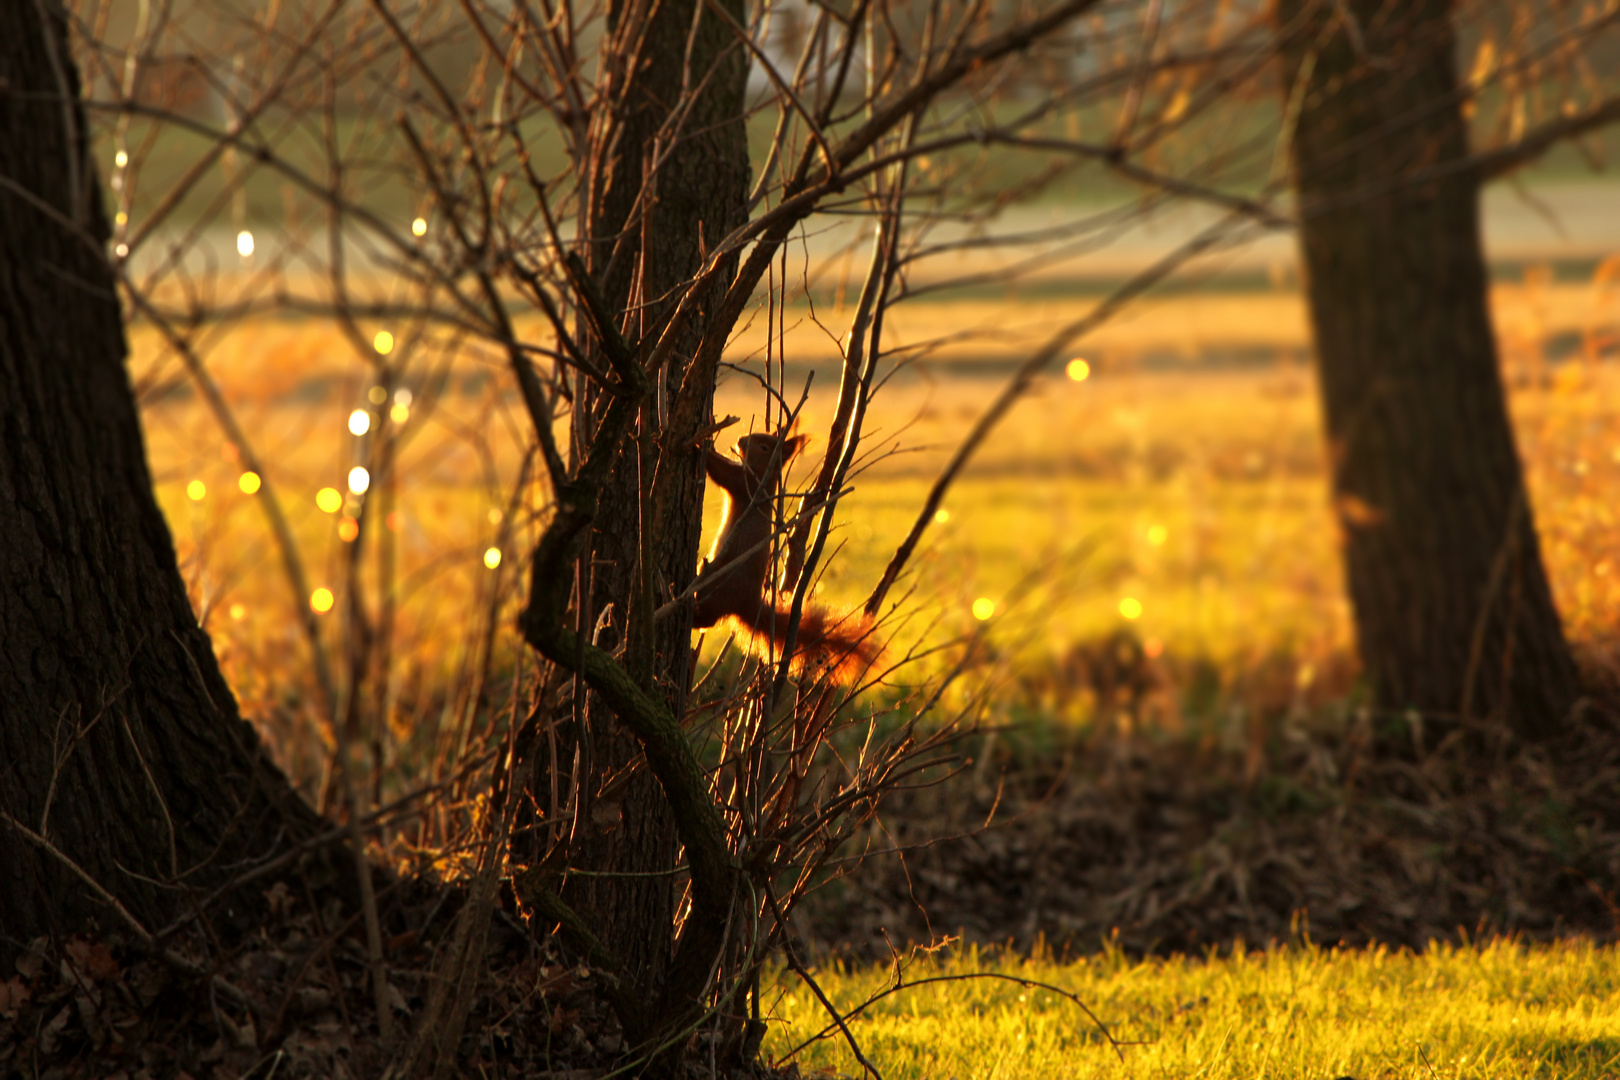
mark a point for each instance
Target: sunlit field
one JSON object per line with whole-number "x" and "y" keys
{"x": 1180, "y": 500}
{"x": 1494, "y": 1011}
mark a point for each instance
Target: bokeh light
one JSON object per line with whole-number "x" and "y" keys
{"x": 348, "y": 529}
{"x": 377, "y": 395}
{"x": 320, "y": 601}
{"x": 1157, "y": 535}
{"x": 1130, "y": 607}
{"x": 1078, "y": 370}
{"x": 941, "y": 516}
{"x": 238, "y": 611}
{"x": 329, "y": 499}
{"x": 983, "y": 608}
{"x": 359, "y": 422}
{"x": 359, "y": 479}
{"x": 121, "y": 159}
{"x": 244, "y": 243}
{"x": 249, "y": 482}
{"x": 399, "y": 413}
{"x": 196, "y": 491}
{"x": 492, "y": 557}
{"x": 495, "y": 516}
{"x": 383, "y": 343}
{"x": 419, "y": 227}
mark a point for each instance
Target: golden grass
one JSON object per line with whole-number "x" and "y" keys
{"x": 1498, "y": 1010}
{"x": 1186, "y": 506}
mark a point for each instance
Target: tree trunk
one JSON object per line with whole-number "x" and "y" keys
{"x": 1453, "y": 612}
{"x": 121, "y": 748}
{"x": 657, "y": 199}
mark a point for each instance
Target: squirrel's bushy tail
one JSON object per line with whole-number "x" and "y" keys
{"x": 844, "y": 644}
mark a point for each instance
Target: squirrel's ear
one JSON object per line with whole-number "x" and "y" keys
{"x": 795, "y": 444}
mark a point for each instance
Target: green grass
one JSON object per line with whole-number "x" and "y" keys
{"x": 1497, "y": 1010}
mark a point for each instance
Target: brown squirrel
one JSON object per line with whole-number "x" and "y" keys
{"x": 732, "y": 580}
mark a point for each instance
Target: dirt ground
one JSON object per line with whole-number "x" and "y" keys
{"x": 1349, "y": 828}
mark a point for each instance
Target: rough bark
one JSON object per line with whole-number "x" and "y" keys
{"x": 1453, "y": 612}
{"x": 120, "y": 743}
{"x": 659, "y": 192}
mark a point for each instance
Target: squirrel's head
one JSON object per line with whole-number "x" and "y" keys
{"x": 757, "y": 450}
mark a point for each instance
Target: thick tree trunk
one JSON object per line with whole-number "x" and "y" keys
{"x": 659, "y": 195}
{"x": 120, "y": 744}
{"x": 1453, "y": 612}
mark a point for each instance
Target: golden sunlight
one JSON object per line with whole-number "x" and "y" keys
{"x": 321, "y": 600}
{"x": 249, "y": 482}
{"x": 983, "y": 608}
{"x": 196, "y": 491}
{"x": 383, "y": 343}
{"x": 1078, "y": 370}
{"x": 1130, "y": 608}
{"x": 492, "y": 557}
{"x": 329, "y": 500}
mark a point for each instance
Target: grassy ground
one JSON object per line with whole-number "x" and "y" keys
{"x": 1498, "y": 1010}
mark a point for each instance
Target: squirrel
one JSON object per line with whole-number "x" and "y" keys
{"x": 732, "y": 580}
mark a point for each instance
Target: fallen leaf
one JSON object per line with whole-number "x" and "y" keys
{"x": 13, "y": 996}
{"x": 91, "y": 959}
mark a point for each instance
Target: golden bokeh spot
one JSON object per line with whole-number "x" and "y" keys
{"x": 1078, "y": 370}
{"x": 383, "y": 343}
{"x": 121, "y": 158}
{"x": 941, "y": 516}
{"x": 196, "y": 491}
{"x": 359, "y": 422}
{"x": 1157, "y": 535}
{"x": 419, "y": 227}
{"x": 492, "y": 557}
{"x": 399, "y": 413}
{"x": 238, "y": 612}
{"x": 359, "y": 479}
{"x": 983, "y": 608}
{"x": 394, "y": 520}
{"x": 377, "y": 395}
{"x": 244, "y": 243}
{"x": 249, "y": 482}
{"x": 1130, "y": 608}
{"x": 321, "y": 600}
{"x": 348, "y": 529}
{"x": 495, "y": 516}
{"x": 329, "y": 500}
